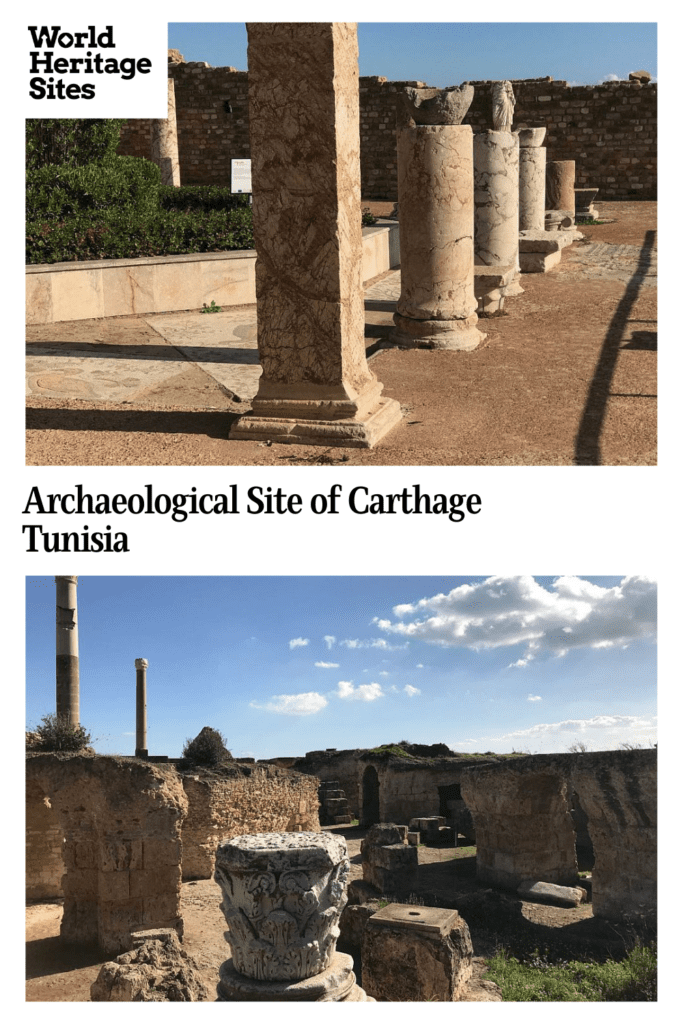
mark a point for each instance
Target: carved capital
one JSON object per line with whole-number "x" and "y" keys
{"x": 141, "y": 663}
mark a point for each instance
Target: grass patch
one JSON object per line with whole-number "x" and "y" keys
{"x": 536, "y": 979}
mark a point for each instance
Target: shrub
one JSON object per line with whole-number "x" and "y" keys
{"x": 202, "y": 198}
{"x": 208, "y": 748}
{"x": 72, "y": 141}
{"x": 56, "y": 193}
{"x": 56, "y": 733}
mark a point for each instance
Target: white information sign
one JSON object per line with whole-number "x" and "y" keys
{"x": 240, "y": 176}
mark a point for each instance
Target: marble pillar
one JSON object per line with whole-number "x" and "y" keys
{"x": 164, "y": 142}
{"x": 532, "y": 160}
{"x": 67, "y": 672}
{"x": 141, "y": 666}
{"x": 496, "y": 202}
{"x": 437, "y": 305}
{"x": 560, "y": 176}
{"x": 283, "y": 894}
{"x": 304, "y": 123}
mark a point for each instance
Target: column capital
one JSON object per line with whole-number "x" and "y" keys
{"x": 141, "y": 663}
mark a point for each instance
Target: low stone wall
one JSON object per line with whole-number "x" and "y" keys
{"x": 44, "y": 845}
{"x": 522, "y": 816}
{"x": 164, "y": 284}
{"x": 240, "y": 800}
{"x": 335, "y": 766}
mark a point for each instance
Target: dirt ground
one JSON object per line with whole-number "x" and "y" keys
{"x": 566, "y": 377}
{"x": 447, "y": 878}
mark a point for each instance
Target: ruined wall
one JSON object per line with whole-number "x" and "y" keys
{"x": 335, "y": 766}
{"x": 619, "y": 795}
{"x": 121, "y": 822}
{"x": 44, "y": 844}
{"x": 610, "y": 130}
{"x": 522, "y": 819}
{"x": 521, "y": 812}
{"x": 242, "y": 799}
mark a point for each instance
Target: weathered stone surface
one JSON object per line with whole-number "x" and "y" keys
{"x": 436, "y": 107}
{"x": 437, "y": 303}
{"x": 283, "y": 894}
{"x": 67, "y": 648}
{"x": 496, "y": 198}
{"x": 640, "y": 76}
{"x": 121, "y": 820}
{"x": 157, "y": 971}
{"x": 503, "y": 106}
{"x": 546, "y": 892}
{"x": 389, "y": 863}
{"x": 532, "y": 160}
{"x": 164, "y": 142}
{"x": 558, "y": 220}
{"x": 560, "y": 176}
{"x": 584, "y": 198}
{"x": 261, "y": 798}
{"x": 316, "y": 387}
{"x": 175, "y": 57}
{"x": 416, "y": 954}
{"x": 385, "y": 834}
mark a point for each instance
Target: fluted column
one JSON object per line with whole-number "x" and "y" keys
{"x": 67, "y": 669}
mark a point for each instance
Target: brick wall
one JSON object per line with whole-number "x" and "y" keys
{"x": 609, "y": 130}
{"x": 44, "y": 845}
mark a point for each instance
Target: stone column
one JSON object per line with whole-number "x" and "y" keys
{"x": 496, "y": 202}
{"x": 283, "y": 894}
{"x": 436, "y": 225}
{"x": 141, "y": 665}
{"x": 532, "y": 158}
{"x": 164, "y": 142}
{"x": 304, "y": 125}
{"x": 560, "y": 176}
{"x": 67, "y": 649}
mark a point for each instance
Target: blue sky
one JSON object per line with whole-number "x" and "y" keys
{"x": 442, "y": 54}
{"x": 282, "y": 665}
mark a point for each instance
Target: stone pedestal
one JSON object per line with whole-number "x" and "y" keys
{"x": 496, "y": 203}
{"x": 164, "y": 142}
{"x": 584, "y": 198}
{"x": 437, "y": 307}
{"x": 416, "y": 954}
{"x": 141, "y": 666}
{"x": 67, "y": 675}
{"x": 559, "y": 185}
{"x": 316, "y": 387}
{"x": 283, "y": 894}
{"x": 532, "y": 160}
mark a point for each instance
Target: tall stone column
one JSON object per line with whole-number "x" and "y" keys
{"x": 283, "y": 894}
{"x": 532, "y": 159}
{"x": 304, "y": 126}
{"x": 67, "y": 649}
{"x": 437, "y": 305}
{"x": 560, "y": 176}
{"x": 164, "y": 142}
{"x": 141, "y": 666}
{"x": 496, "y": 201}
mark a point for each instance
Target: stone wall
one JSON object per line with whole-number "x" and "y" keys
{"x": 335, "y": 766}
{"x": 242, "y": 799}
{"x": 610, "y": 130}
{"x": 121, "y": 822}
{"x": 44, "y": 844}
{"x": 521, "y": 812}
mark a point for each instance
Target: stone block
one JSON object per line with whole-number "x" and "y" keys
{"x": 162, "y": 882}
{"x": 416, "y": 954}
{"x": 114, "y": 885}
{"x": 391, "y": 869}
{"x": 161, "y": 852}
{"x": 538, "y": 262}
{"x": 558, "y": 895}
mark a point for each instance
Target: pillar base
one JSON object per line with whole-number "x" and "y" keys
{"x": 336, "y": 984}
{"x": 360, "y": 431}
{"x": 142, "y": 752}
{"x": 455, "y": 335}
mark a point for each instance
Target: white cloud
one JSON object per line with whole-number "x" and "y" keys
{"x": 383, "y": 645}
{"x": 367, "y": 691}
{"x": 507, "y": 611}
{"x": 326, "y": 664}
{"x": 412, "y": 691}
{"x": 293, "y": 704}
{"x": 602, "y": 732}
{"x": 298, "y": 642}
{"x": 419, "y": 665}
{"x": 532, "y": 697}
{"x": 330, "y": 641}
{"x": 609, "y": 78}
{"x": 382, "y": 673}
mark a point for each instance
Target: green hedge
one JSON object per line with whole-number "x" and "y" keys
{"x": 201, "y": 197}
{"x": 59, "y": 191}
{"x": 114, "y": 234}
{"x": 72, "y": 141}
